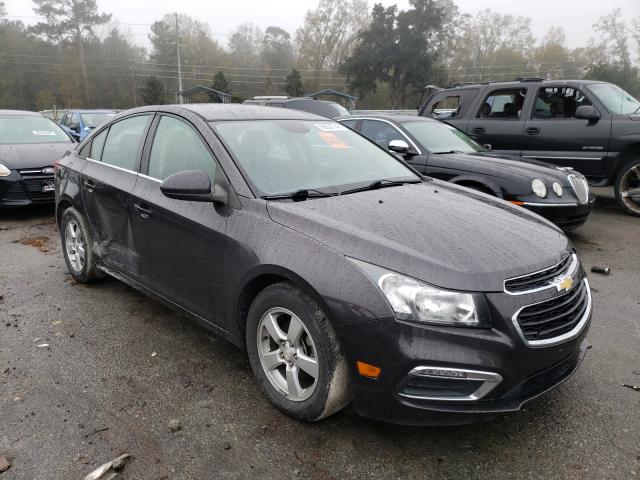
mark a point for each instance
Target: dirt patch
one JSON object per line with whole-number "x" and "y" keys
{"x": 39, "y": 242}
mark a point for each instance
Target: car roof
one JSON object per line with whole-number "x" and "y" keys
{"x": 214, "y": 112}
{"x": 19, "y": 113}
{"x": 521, "y": 83}
{"x": 390, "y": 118}
{"x": 98, "y": 110}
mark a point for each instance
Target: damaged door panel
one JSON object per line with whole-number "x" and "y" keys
{"x": 106, "y": 190}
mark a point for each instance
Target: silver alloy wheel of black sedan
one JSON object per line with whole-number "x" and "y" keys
{"x": 75, "y": 245}
{"x": 287, "y": 354}
{"x": 628, "y": 188}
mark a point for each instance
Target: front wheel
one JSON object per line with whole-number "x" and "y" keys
{"x": 295, "y": 355}
{"x": 627, "y": 188}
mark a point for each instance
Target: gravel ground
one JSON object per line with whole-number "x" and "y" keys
{"x": 120, "y": 367}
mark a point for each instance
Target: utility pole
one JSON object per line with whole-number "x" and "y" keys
{"x": 180, "y": 99}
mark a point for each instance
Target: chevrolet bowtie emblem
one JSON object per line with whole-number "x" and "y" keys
{"x": 564, "y": 284}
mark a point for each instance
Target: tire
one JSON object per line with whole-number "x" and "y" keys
{"x": 76, "y": 247}
{"x": 628, "y": 180}
{"x": 311, "y": 398}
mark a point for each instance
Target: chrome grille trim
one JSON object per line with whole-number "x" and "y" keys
{"x": 580, "y": 187}
{"x": 571, "y": 270}
{"x": 574, "y": 332}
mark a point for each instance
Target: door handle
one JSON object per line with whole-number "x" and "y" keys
{"x": 142, "y": 210}
{"x": 478, "y": 131}
{"x": 532, "y": 131}
{"x": 90, "y": 185}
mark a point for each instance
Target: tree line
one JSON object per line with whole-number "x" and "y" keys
{"x": 384, "y": 55}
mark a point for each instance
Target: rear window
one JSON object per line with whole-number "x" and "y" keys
{"x": 28, "y": 129}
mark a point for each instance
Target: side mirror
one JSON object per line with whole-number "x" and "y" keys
{"x": 399, "y": 146}
{"x": 587, "y": 112}
{"x": 193, "y": 185}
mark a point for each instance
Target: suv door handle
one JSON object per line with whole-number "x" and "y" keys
{"x": 532, "y": 131}
{"x": 90, "y": 185}
{"x": 478, "y": 130}
{"x": 142, "y": 210}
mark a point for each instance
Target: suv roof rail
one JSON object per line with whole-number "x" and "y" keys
{"x": 529, "y": 79}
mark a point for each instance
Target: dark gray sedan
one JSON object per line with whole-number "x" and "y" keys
{"x": 29, "y": 146}
{"x": 344, "y": 274}
{"x": 442, "y": 151}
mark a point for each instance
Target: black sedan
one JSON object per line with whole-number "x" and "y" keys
{"x": 344, "y": 274}
{"x": 442, "y": 151}
{"x": 29, "y": 145}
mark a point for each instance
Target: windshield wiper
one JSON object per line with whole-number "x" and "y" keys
{"x": 379, "y": 184}
{"x": 301, "y": 194}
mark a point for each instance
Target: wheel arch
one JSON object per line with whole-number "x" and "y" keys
{"x": 631, "y": 153}
{"x": 64, "y": 203}
{"x": 476, "y": 182}
{"x": 259, "y": 279}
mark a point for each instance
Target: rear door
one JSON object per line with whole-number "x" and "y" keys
{"x": 108, "y": 180}
{"x": 553, "y": 134}
{"x": 498, "y": 120}
{"x": 185, "y": 239}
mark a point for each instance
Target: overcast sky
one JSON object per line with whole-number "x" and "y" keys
{"x": 135, "y": 16}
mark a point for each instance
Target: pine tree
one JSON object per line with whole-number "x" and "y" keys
{"x": 294, "y": 85}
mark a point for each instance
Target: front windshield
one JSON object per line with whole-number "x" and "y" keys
{"x": 438, "y": 137}
{"x": 284, "y": 156}
{"x": 614, "y": 98}
{"x": 30, "y": 129}
{"x": 92, "y": 120}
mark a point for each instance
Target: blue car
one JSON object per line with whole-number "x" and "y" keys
{"x": 79, "y": 123}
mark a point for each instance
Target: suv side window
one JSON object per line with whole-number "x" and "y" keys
{"x": 558, "y": 102}
{"x": 449, "y": 104}
{"x": 176, "y": 148}
{"x": 504, "y": 104}
{"x": 380, "y": 132}
{"x": 122, "y": 147}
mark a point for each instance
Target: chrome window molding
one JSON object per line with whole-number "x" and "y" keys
{"x": 490, "y": 381}
{"x": 573, "y": 333}
{"x": 112, "y": 166}
{"x": 373, "y": 119}
{"x": 544, "y": 157}
{"x": 534, "y": 204}
{"x": 570, "y": 271}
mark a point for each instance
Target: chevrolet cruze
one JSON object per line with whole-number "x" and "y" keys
{"x": 344, "y": 274}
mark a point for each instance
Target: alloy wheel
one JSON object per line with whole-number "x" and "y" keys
{"x": 75, "y": 245}
{"x": 287, "y": 354}
{"x": 630, "y": 188}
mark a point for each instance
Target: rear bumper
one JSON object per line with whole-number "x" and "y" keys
{"x": 566, "y": 217}
{"x": 523, "y": 372}
{"x": 18, "y": 190}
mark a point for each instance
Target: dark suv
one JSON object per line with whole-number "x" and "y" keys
{"x": 593, "y": 127}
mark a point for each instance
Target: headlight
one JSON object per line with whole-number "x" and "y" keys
{"x": 415, "y": 301}
{"x": 557, "y": 188}
{"x": 539, "y": 188}
{"x": 4, "y": 171}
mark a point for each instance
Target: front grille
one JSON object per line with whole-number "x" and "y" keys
{"x": 581, "y": 187}
{"x": 542, "y": 279}
{"x": 34, "y": 187}
{"x": 555, "y": 317}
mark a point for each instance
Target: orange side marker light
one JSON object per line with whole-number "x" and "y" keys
{"x": 367, "y": 370}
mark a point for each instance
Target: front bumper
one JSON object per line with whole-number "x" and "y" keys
{"x": 567, "y": 217}
{"x": 398, "y": 348}
{"x": 24, "y": 189}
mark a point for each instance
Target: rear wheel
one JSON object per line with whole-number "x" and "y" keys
{"x": 627, "y": 188}
{"x": 295, "y": 355}
{"x": 76, "y": 246}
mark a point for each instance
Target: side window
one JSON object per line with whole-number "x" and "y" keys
{"x": 65, "y": 119}
{"x": 96, "y": 145}
{"x": 177, "y": 147}
{"x": 449, "y": 105}
{"x": 380, "y": 132}
{"x": 558, "y": 102}
{"x": 122, "y": 146}
{"x": 85, "y": 150}
{"x": 503, "y": 104}
{"x": 74, "y": 122}
{"x": 350, "y": 123}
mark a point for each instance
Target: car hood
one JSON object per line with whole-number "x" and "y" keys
{"x": 437, "y": 232}
{"x": 506, "y": 168}
{"x": 31, "y": 155}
